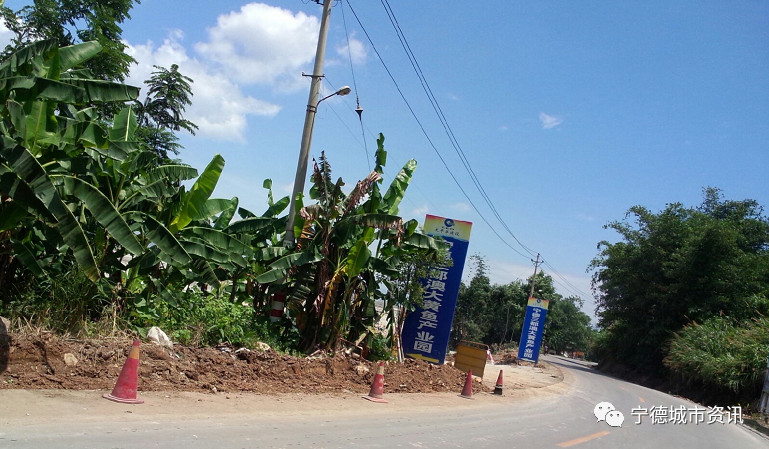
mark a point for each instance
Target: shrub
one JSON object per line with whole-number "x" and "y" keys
{"x": 722, "y": 354}
{"x": 199, "y": 319}
{"x": 64, "y": 303}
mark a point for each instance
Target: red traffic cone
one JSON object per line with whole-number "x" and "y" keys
{"x": 377, "y": 386}
{"x": 467, "y": 391}
{"x": 498, "y": 387}
{"x": 125, "y": 388}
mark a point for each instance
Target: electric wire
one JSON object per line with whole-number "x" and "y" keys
{"x": 421, "y": 127}
{"x": 444, "y": 122}
{"x": 359, "y": 110}
{"x": 386, "y": 170}
{"x": 455, "y": 144}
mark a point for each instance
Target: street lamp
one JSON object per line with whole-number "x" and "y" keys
{"x": 341, "y": 92}
{"x": 304, "y": 155}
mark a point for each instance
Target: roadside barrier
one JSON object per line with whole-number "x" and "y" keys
{"x": 125, "y": 388}
{"x": 278, "y": 304}
{"x": 498, "y": 387}
{"x": 376, "y": 394}
{"x": 467, "y": 391}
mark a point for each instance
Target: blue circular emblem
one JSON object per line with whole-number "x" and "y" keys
{"x": 448, "y": 222}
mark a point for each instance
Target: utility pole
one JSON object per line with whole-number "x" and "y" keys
{"x": 309, "y": 120}
{"x": 534, "y": 278}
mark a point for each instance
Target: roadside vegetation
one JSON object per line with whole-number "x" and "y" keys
{"x": 102, "y": 231}
{"x": 493, "y": 314}
{"x": 683, "y": 298}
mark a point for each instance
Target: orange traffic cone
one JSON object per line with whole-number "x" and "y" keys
{"x": 377, "y": 386}
{"x": 498, "y": 387}
{"x": 467, "y": 391}
{"x": 125, "y": 388}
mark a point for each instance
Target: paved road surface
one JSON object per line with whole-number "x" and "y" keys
{"x": 558, "y": 416}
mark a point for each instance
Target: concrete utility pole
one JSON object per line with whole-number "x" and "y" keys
{"x": 534, "y": 278}
{"x": 309, "y": 120}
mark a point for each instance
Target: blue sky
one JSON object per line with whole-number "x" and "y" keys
{"x": 569, "y": 113}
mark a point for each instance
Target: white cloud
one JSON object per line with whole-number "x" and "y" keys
{"x": 549, "y": 121}
{"x": 420, "y": 212}
{"x": 219, "y": 107}
{"x": 5, "y": 35}
{"x": 503, "y": 273}
{"x": 461, "y": 207}
{"x": 262, "y": 44}
{"x": 258, "y": 47}
{"x": 357, "y": 51}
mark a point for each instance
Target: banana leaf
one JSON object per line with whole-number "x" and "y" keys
{"x": 193, "y": 202}
{"x": 16, "y": 62}
{"x": 279, "y": 268}
{"x": 32, "y": 173}
{"x": 219, "y": 239}
{"x": 171, "y": 250}
{"x": 172, "y": 172}
{"x": 27, "y": 256}
{"x": 398, "y": 187}
{"x": 104, "y": 212}
{"x": 224, "y": 219}
{"x": 74, "y": 55}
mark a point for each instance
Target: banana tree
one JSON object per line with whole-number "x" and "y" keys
{"x": 332, "y": 277}
{"x": 46, "y": 120}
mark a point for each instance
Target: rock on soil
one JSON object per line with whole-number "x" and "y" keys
{"x": 38, "y": 362}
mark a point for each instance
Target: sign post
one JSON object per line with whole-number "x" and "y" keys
{"x": 533, "y": 328}
{"x": 426, "y": 330}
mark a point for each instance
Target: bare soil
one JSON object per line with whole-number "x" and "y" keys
{"x": 45, "y": 361}
{"x": 49, "y": 379}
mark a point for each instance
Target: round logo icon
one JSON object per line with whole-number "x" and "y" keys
{"x": 448, "y": 222}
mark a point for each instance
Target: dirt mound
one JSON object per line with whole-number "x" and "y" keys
{"x": 48, "y": 362}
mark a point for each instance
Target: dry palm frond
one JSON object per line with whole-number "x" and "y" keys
{"x": 361, "y": 190}
{"x": 331, "y": 289}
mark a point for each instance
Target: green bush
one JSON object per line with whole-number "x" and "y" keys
{"x": 66, "y": 303}
{"x": 722, "y": 354}
{"x": 378, "y": 347}
{"x": 199, "y": 319}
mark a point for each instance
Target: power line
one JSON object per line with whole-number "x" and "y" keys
{"x": 444, "y": 122}
{"x": 358, "y": 109}
{"x": 386, "y": 170}
{"x": 421, "y": 127}
{"x": 452, "y": 138}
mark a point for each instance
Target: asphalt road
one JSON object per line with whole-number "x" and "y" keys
{"x": 562, "y": 417}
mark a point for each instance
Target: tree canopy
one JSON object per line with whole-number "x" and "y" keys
{"x": 71, "y": 22}
{"x": 676, "y": 268}
{"x": 493, "y": 314}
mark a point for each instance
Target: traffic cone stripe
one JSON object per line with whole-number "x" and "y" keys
{"x": 376, "y": 394}
{"x": 125, "y": 388}
{"x": 467, "y": 391}
{"x": 499, "y": 386}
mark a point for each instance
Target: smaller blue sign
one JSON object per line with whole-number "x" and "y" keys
{"x": 533, "y": 329}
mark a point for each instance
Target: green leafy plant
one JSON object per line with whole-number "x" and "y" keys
{"x": 722, "y": 354}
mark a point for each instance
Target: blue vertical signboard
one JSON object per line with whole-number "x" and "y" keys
{"x": 533, "y": 328}
{"x": 426, "y": 330}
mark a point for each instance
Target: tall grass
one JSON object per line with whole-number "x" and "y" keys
{"x": 66, "y": 304}
{"x": 722, "y": 354}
